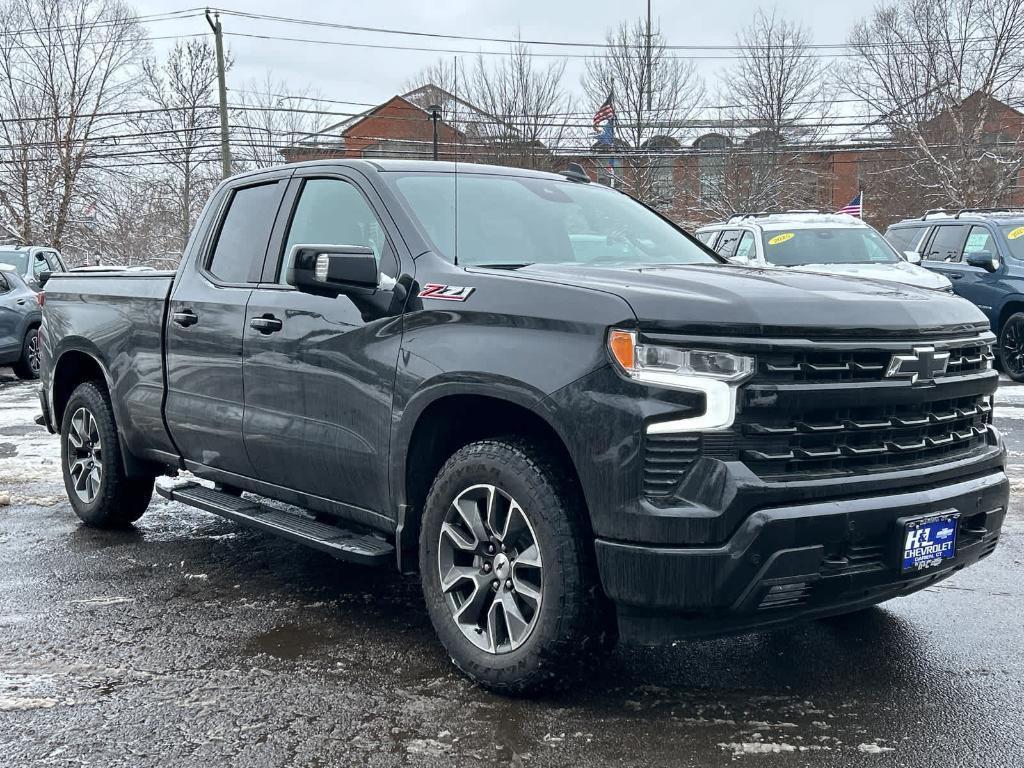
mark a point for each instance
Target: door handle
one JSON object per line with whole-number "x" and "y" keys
{"x": 266, "y": 324}
{"x": 953, "y": 275}
{"x": 185, "y": 318}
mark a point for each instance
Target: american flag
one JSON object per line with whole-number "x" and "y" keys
{"x": 855, "y": 206}
{"x": 605, "y": 112}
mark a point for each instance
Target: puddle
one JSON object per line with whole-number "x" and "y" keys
{"x": 289, "y": 641}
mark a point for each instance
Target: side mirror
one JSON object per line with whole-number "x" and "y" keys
{"x": 329, "y": 270}
{"x": 912, "y": 257}
{"x": 983, "y": 259}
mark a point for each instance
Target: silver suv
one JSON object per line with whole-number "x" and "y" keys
{"x": 810, "y": 241}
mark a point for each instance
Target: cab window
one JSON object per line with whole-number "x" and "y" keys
{"x": 745, "y": 249}
{"x": 727, "y": 244}
{"x": 241, "y": 244}
{"x": 334, "y": 212}
{"x": 978, "y": 239}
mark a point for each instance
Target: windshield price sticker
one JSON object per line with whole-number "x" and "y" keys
{"x": 1013, "y": 235}
{"x": 786, "y": 237}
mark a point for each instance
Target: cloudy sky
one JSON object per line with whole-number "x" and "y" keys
{"x": 372, "y": 75}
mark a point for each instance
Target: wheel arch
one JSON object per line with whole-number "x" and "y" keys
{"x": 75, "y": 366}
{"x": 436, "y": 427}
{"x": 1011, "y": 306}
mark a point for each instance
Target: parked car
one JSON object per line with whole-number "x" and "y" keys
{"x": 982, "y": 252}
{"x": 35, "y": 263}
{"x": 19, "y": 324}
{"x": 830, "y": 243}
{"x": 568, "y": 416}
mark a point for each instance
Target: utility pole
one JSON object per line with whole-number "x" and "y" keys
{"x": 225, "y": 146}
{"x": 650, "y": 85}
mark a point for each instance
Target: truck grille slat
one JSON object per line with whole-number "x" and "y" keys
{"x": 847, "y": 442}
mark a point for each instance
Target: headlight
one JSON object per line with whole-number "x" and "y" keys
{"x": 713, "y": 373}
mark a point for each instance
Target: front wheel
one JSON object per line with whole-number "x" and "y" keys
{"x": 508, "y": 570}
{"x": 100, "y": 492}
{"x": 1011, "y": 346}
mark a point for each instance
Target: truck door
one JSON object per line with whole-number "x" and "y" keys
{"x": 319, "y": 371}
{"x": 205, "y": 326}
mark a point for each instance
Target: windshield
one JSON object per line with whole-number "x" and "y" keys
{"x": 510, "y": 220}
{"x": 1014, "y": 234}
{"x": 827, "y": 245}
{"x": 17, "y": 259}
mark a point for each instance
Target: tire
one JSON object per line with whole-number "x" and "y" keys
{"x": 563, "y": 619}
{"x": 1011, "y": 346}
{"x": 97, "y": 487}
{"x": 27, "y": 366}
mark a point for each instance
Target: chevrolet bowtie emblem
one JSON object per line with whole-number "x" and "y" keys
{"x": 922, "y": 366}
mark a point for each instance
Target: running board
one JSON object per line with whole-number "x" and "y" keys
{"x": 339, "y": 542}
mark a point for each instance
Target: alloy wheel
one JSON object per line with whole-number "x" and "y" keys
{"x": 33, "y": 352}
{"x": 1011, "y": 349}
{"x": 490, "y": 567}
{"x": 85, "y": 455}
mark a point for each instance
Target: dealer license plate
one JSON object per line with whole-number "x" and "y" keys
{"x": 927, "y": 541}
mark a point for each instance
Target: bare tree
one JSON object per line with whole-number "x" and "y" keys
{"x": 271, "y": 116}
{"x": 181, "y": 129}
{"x": 779, "y": 108}
{"x": 525, "y": 108}
{"x": 935, "y": 75}
{"x": 655, "y": 96}
{"x": 64, "y": 66}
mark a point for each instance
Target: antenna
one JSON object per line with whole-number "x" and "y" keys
{"x": 456, "y": 156}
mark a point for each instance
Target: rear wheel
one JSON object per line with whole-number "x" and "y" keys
{"x": 27, "y": 366}
{"x": 508, "y": 570}
{"x": 1011, "y": 346}
{"x": 100, "y": 492}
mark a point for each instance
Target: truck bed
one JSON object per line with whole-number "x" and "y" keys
{"x": 117, "y": 317}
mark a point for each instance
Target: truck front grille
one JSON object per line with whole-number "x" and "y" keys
{"x": 831, "y": 409}
{"x": 866, "y": 438}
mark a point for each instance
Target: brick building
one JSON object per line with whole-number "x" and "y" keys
{"x": 694, "y": 181}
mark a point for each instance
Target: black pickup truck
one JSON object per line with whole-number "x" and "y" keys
{"x": 574, "y": 421}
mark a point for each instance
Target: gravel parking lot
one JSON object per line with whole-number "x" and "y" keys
{"x": 191, "y": 641}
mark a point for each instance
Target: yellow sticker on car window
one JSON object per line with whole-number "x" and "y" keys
{"x": 1015, "y": 233}
{"x": 780, "y": 239}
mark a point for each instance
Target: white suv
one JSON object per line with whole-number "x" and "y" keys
{"x": 833, "y": 243}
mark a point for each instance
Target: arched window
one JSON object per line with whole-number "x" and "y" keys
{"x": 711, "y": 165}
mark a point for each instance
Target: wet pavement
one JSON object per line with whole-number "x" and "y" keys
{"x": 192, "y": 642}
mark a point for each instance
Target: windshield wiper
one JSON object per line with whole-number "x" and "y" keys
{"x": 519, "y": 265}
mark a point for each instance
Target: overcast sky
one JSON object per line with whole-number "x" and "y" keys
{"x": 373, "y": 75}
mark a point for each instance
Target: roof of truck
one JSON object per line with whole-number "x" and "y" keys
{"x": 421, "y": 166}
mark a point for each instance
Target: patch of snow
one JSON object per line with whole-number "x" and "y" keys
{"x": 757, "y": 747}
{"x": 873, "y": 749}
{"x": 18, "y": 703}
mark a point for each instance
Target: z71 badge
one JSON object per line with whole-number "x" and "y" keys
{"x": 445, "y": 292}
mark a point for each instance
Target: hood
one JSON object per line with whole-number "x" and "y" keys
{"x": 723, "y": 299}
{"x": 897, "y": 272}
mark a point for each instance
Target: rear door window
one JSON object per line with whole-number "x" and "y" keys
{"x": 947, "y": 243}
{"x": 241, "y": 245}
{"x": 708, "y": 238}
{"x": 904, "y": 238}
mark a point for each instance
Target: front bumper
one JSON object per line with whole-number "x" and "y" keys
{"x": 793, "y": 562}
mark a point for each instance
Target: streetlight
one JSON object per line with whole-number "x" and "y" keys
{"x": 435, "y": 115}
